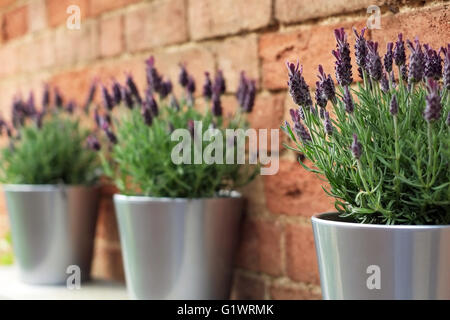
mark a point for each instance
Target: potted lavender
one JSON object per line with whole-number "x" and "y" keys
{"x": 49, "y": 174}
{"x": 383, "y": 147}
{"x": 178, "y": 216}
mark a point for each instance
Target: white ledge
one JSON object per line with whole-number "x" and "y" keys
{"x": 11, "y": 288}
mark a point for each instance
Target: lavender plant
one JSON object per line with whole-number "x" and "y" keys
{"x": 138, "y": 148}
{"x": 384, "y": 145}
{"x": 46, "y": 146}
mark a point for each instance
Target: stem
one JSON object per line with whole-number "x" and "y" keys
{"x": 430, "y": 153}
{"x": 397, "y": 158}
{"x": 361, "y": 176}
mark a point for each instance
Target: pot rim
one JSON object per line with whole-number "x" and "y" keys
{"x": 43, "y": 187}
{"x": 234, "y": 195}
{"x": 327, "y": 219}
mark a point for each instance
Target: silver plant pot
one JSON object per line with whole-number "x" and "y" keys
{"x": 52, "y": 228}
{"x": 363, "y": 261}
{"x": 178, "y": 248}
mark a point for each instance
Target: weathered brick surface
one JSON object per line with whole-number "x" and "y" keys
{"x": 15, "y": 23}
{"x": 210, "y": 18}
{"x": 289, "y": 11}
{"x": 295, "y": 191}
{"x": 97, "y": 7}
{"x": 57, "y": 10}
{"x": 37, "y": 15}
{"x": 301, "y": 261}
{"x": 140, "y": 34}
{"x": 288, "y": 291}
{"x": 107, "y": 263}
{"x": 6, "y": 3}
{"x": 311, "y": 45}
{"x": 111, "y": 36}
{"x": 248, "y": 287}
{"x": 260, "y": 248}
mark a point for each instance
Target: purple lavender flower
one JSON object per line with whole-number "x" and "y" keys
{"x": 117, "y": 92}
{"x": 108, "y": 101}
{"x": 190, "y": 87}
{"x": 147, "y": 113}
{"x": 416, "y": 62}
{"x": 327, "y": 85}
{"x": 90, "y": 96}
{"x": 356, "y": 147}
{"x": 343, "y": 66}
{"x": 433, "y": 63}
{"x": 249, "y": 101}
{"x": 360, "y": 51}
{"x": 348, "y": 101}
{"x": 93, "y": 143}
{"x": 109, "y": 134}
{"x": 219, "y": 82}
{"x": 241, "y": 92}
{"x": 373, "y": 62}
{"x": 174, "y": 103}
{"x": 207, "y": 87}
{"x": 191, "y": 127}
{"x": 165, "y": 89}
{"x": 154, "y": 80}
{"x": 3, "y": 124}
{"x": 150, "y": 102}
{"x": 446, "y": 75}
{"x": 18, "y": 112}
{"x": 30, "y": 106}
{"x": 97, "y": 118}
{"x": 70, "y": 107}
{"x": 38, "y": 118}
{"x": 399, "y": 51}
{"x": 59, "y": 101}
{"x": 298, "y": 88}
{"x": 184, "y": 76}
{"x": 404, "y": 72}
{"x": 384, "y": 83}
{"x": 299, "y": 128}
{"x": 216, "y": 103}
{"x": 301, "y": 113}
{"x": 327, "y": 124}
{"x": 133, "y": 88}
{"x": 393, "y": 108}
{"x": 46, "y": 97}
{"x": 320, "y": 97}
{"x": 433, "y": 101}
{"x": 388, "y": 57}
{"x": 127, "y": 97}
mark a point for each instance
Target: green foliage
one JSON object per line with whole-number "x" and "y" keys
{"x": 55, "y": 153}
{"x": 141, "y": 164}
{"x": 403, "y": 174}
{"x": 6, "y": 255}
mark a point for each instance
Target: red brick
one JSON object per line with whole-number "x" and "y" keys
{"x": 111, "y": 36}
{"x": 43, "y": 49}
{"x": 301, "y": 261}
{"x": 97, "y": 7}
{"x": 210, "y": 18}
{"x": 73, "y": 84}
{"x": 15, "y": 23}
{"x": 235, "y": 55}
{"x": 107, "y": 263}
{"x": 289, "y": 11}
{"x": 57, "y": 10}
{"x": 260, "y": 247}
{"x": 37, "y": 15}
{"x": 75, "y": 46}
{"x": 287, "y": 291}
{"x": 107, "y": 228}
{"x": 6, "y": 3}
{"x": 311, "y": 45}
{"x": 247, "y": 287}
{"x": 9, "y": 52}
{"x": 168, "y": 25}
{"x": 295, "y": 191}
{"x": 431, "y": 25}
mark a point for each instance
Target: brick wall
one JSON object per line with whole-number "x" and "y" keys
{"x": 276, "y": 258}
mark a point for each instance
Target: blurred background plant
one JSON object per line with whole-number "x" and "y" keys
{"x": 6, "y": 254}
{"x": 138, "y": 155}
{"x": 47, "y": 146}
{"x": 386, "y": 152}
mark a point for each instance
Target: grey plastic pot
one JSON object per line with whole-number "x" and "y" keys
{"x": 52, "y": 228}
{"x": 178, "y": 248}
{"x": 363, "y": 261}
